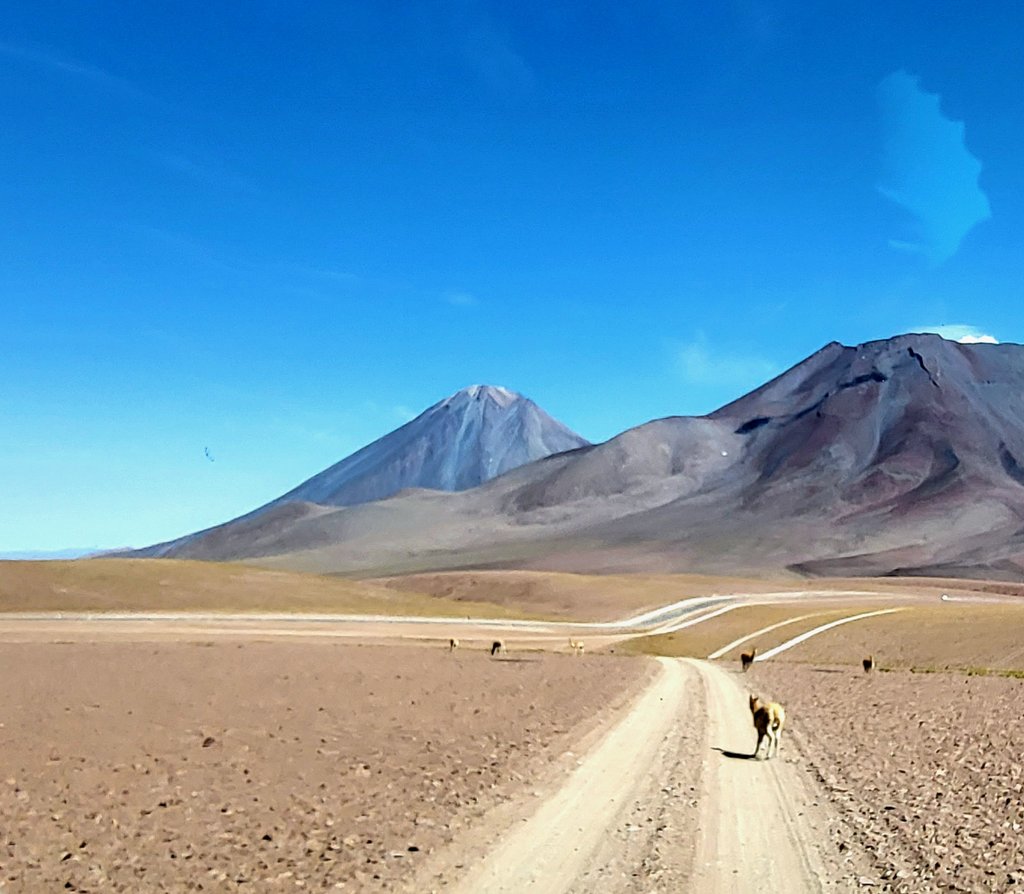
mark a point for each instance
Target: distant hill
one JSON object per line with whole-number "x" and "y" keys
{"x": 901, "y": 456}
{"x": 51, "y": 554}
{"x": 458, "y": 443}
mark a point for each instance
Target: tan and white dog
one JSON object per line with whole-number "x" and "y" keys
{"x": 769, "y": 719}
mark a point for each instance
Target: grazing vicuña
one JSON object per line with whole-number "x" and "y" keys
{"x": 769, "y": 719}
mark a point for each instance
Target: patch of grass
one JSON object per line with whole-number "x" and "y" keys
{"x": 702, "y": 639}
{"x": 171, "y": 585}
{"x": 937, "y": 636}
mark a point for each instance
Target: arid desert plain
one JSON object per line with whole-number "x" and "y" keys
{"x": 179, "y": 726}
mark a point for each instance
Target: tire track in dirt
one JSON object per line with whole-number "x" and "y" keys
{"x": 549, "y": 850}
{"x": 761, "y": 825}
{"x": 667, "y": 797}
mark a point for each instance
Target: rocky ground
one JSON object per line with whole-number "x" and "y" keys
{"x": 243, "y": 765}
{"x": 926, "y": 770}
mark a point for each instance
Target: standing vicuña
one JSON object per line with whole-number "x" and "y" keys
{"x": 747, "y": 659}
{"x": 769, "y": 719}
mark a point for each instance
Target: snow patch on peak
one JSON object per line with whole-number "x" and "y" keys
{"x": 501, "y": 396}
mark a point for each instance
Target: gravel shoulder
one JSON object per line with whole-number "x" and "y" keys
{"x": 924, "y": 770}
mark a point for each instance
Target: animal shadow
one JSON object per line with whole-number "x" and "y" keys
{"x": 734, "y": 755}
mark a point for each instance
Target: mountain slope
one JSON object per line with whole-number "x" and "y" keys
{"x": 460, "y": 442}
{"x": 897, "y": 456}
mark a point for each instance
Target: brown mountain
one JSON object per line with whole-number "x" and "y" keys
{"x": 903, "y": 456}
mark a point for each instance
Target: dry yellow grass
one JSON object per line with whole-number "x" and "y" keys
{"x": 950, "y": 635}
{"x": 585, "y": 597}
{"x": 702, "y": 639}
{"x": 160, "y": 585}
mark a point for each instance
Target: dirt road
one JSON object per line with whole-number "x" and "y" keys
{"x": 669, "y": 796}
{"x": 761, "y": 827}
{"x": 551, "y": 850}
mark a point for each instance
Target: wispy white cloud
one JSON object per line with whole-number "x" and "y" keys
{"x": 702, "y": 363}
{"x": 488, "y": 50}
{"x": 929, "y": 170}
{"x": 460, "y": 299}
{"x": 323, "y": 281}
{"x": 54, "y": 61}
{"x": 207, "y": 172}
{"x": 327, "y": 274}
{"x": 961, "y": 332}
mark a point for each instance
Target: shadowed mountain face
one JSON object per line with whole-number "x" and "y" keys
{"x": 893, "y": 457}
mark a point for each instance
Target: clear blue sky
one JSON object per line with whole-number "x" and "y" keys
{"x": 278, "y": 230}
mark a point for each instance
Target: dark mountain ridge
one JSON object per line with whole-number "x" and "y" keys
{"x": 890, "y": 457}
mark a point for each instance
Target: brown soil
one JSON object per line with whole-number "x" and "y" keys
{"x": 925, "y": 768}
{"x": 235, "y": 765}
{"x": 935, "y": 585}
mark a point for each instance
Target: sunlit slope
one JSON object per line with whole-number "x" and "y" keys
{"x": 159, "y": 585}
{"x": 581, "y": 596}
